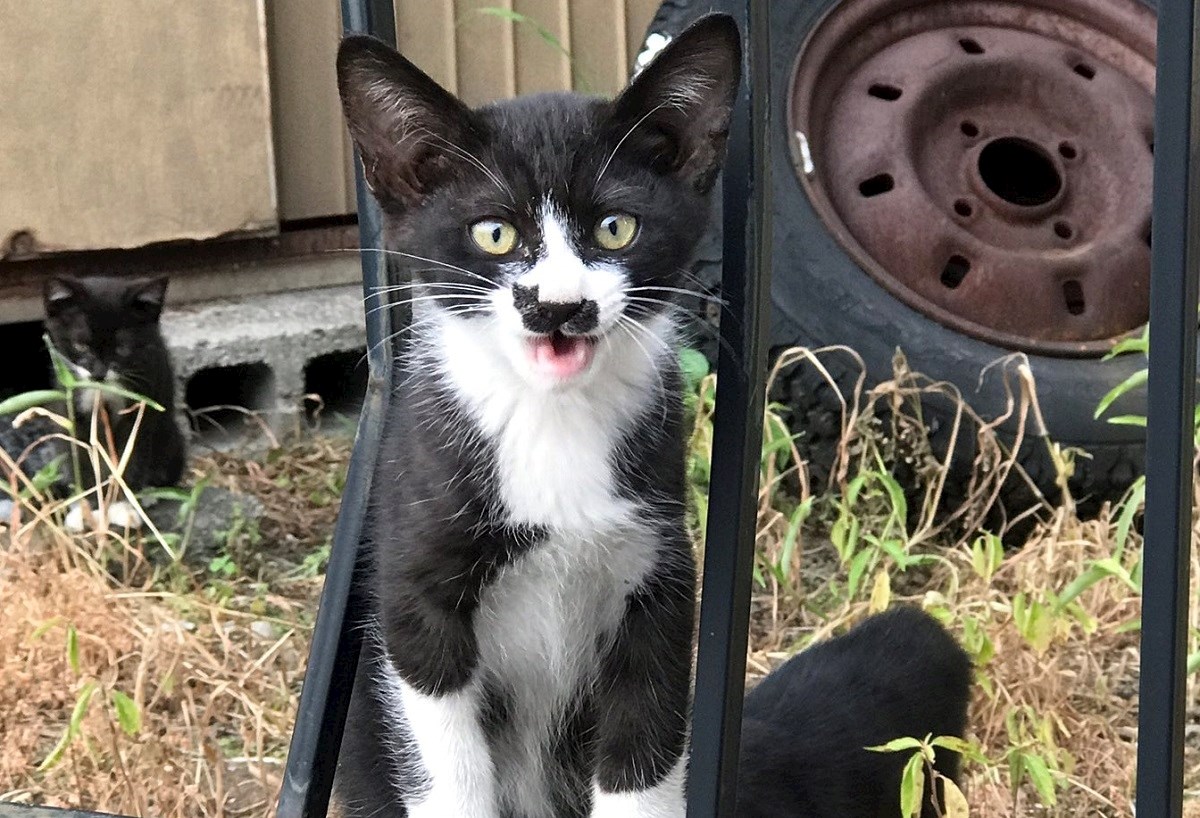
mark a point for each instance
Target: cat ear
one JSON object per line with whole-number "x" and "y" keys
{"x": 406, "y": 126}
{"x": 58, "y": 294}
{"x": 148, "y": 297}
{"x": 675, "y": 114}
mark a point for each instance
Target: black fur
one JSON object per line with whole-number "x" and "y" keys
{"x": 436, "y": 532}
{"x": 111, "y": 325}
{"x": 898, "y": 674}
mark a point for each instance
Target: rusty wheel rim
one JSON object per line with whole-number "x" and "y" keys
{"x": 988, "y": 163}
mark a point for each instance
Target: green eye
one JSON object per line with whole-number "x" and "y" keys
{"x": 494, "y": 236}
{"x": 615, "y": 231}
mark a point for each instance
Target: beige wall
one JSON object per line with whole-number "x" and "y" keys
{"x": 480, "y": 56}
{"x": 132, "y": 121}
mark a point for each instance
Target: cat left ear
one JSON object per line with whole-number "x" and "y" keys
{"x": 675, "y": 114}
{"x": 57, "y": 295}
{"x": 149, "y": 296}
{"x": 410, "y": 132}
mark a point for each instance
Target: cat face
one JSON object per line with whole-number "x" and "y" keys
{"x": 103, "y": 325}
{"x": 553, "y": 223}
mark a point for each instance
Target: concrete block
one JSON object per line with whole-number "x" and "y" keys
{"x": 252, "y": 354}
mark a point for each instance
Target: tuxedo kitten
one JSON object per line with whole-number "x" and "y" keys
{"x": 107, "y": 329}
{"x": 534, "y": 584}
{"x": 806, "y": 726}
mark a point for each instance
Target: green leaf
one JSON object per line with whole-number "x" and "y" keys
{"x": 954, "y": 803}
{"x": 897, "y": 745}
{"x": 128, "y": 714}
{"x": 1130, "y": 506}
{"x": 912, "y": 786}
{"x": 1042, "y": 780}
{"x": 1132, "y": 382}
{"x": 62, "y": 371}
{"x": 82, "y": 702}
{"x": 28, "y": 400}
{"x": 113, "y": 389}
{"x": 857, "y": 567}
{"x": 73, "y": 649}
{"x": 1128, "y": 420}
{"x": 693, "y": 366}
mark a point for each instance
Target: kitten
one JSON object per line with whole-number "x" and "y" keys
{"x": 107, "y": 329}
{"x": 805, "y": 727}
{"x": 534, "y": 583}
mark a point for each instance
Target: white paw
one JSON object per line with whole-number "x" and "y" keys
{"x": 121, "y": 515}
{"x": 6, "y": 509}
{"x": 75, "y": 522}
{"x": 666, "y": 799}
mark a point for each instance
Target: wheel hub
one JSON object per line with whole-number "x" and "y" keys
{"x": 989, "y": 163}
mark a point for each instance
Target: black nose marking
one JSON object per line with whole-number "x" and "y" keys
{"x": 547, "y": 316}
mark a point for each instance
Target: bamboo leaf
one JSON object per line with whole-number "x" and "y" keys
{"x": 128, "y": 714}
{"x": 29, "y": 400}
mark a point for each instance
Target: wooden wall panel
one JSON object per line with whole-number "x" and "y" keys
{"x": 540, "y": 64}
{"x": 134, "y": 121}
{"x": 425, "y": 33}
{"x": 480, "y": 56}
{"x": 598, "y": 45}
{"x": 486, "y": 64}
{"x": 638, "y": 14}
{"x": 312, "y": 150}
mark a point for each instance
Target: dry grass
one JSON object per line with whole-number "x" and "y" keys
{"x": 215, "y": 662}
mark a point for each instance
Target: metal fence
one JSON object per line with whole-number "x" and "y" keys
{"x": 737, "y": 429}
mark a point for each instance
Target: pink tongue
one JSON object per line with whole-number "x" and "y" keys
{"x": 560, "y": 356}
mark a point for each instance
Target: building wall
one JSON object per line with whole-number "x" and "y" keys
{"x": 128, "y": 122}
{"x": 132, "y": 122}
{"x": 480, "y": 49}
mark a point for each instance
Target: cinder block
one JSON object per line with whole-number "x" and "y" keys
{"x": 253, "y": 354}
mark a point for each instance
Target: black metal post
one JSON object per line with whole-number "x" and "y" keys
{"x": 336, "y": 643}
{"x": 1171, "y": 400}
{"x": 737, "y": 435}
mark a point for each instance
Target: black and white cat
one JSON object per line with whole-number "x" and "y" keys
{"x": 107, "y": 329}
{"x": 534, "y": 580}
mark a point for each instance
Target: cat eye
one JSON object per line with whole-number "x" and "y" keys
{"x": 615, "y": 231}
{"x": 494, "y": 236}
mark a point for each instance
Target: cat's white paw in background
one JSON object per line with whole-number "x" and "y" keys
{"x": 121, "y": 516}
{"x": 6, "y": 509}
{"x": 74, "y": 521}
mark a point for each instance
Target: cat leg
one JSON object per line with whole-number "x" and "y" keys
{"x": 643, "y": 697}
{"x": 454, "y": 753}
{"x": 433, "y": 655}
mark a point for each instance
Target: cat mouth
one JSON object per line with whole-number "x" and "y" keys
{"x": 561, "y": 357}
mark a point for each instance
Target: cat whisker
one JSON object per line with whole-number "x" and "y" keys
{"x": 433, "y": 285}
{"x": 401, "y": 254}
{"x": 473, "y": 299}
{"x": 463, "y": 310}
{"x": 706, "y": 325}
{"x": 473, "y": 159}
{"x": 679, "y": 290}
{"x": 621, "y": 142}
{"x": 625, "y": 322}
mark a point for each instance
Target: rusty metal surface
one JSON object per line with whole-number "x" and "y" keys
{"x": 989, "y": 163}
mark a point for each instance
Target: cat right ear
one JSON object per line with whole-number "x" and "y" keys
{"x": 58, "y": 294}
{"x": 407, "y": 127}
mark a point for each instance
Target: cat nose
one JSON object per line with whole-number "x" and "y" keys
{"x": 545, "y": 316}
